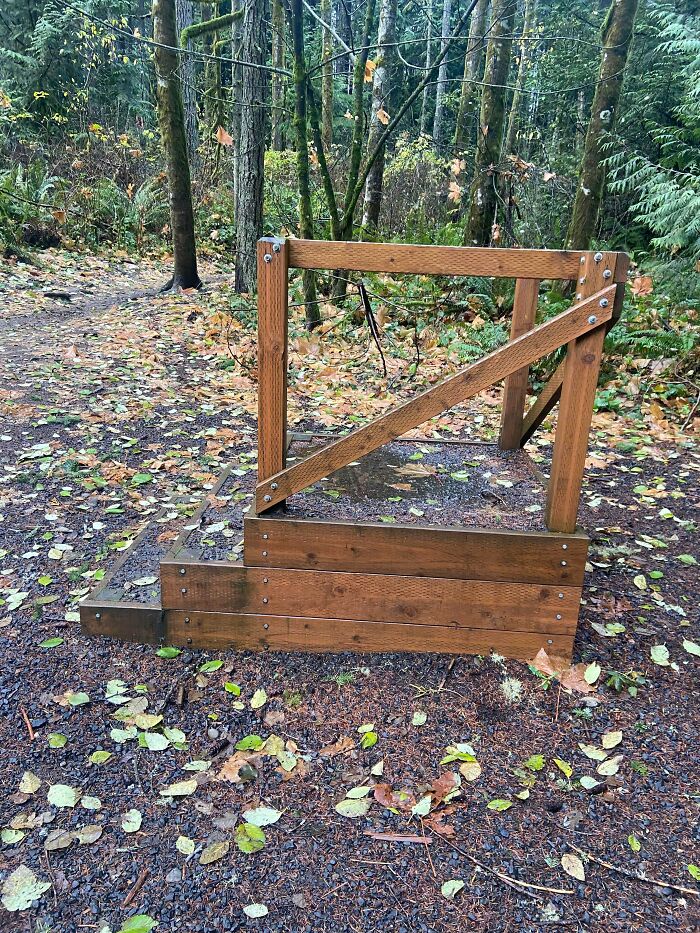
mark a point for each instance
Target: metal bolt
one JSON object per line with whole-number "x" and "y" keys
{"x": 273, "y": 485}
{"x": 582, "y": 260}
{"x": 579, "y": 296}
{"x": 550, "y": 641}
{"x": 266, "y": 626}
{"x": 565, "y": 547}
{"x": 265, "y": 537}
{"x": 187, "y": 620}
{"x": 558, "y": 617}
{"x": 276, "y": 247}
{"x": 582, "y": 279}
{"x": 563, "y": 563}
{"x": 592, "y": 319}
{"x": 98, "y": 615}
{"x": 561, "y": 595}
{"x": 183, "y": 590}
{"x": 603, "y": 302}
{"x": 265, "y": 580}
{"x": 189, "y": 641}
{"x": 597, "y": 257}
{"x": 183, "y": 571}
{"x": 264, "y": 553}
{"x": 267, "y": 257}
{"x": 266, "y": 600}
{"x": 267, "y": 498}
{"x": 607, "y": 274}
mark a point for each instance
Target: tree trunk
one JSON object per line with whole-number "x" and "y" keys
{"x": 381, "y": 91}
{"x": 441, "y": 88}
{"x": 525, "y": 48}
{"x": 617, "y": 35}
{"x": 185, "y": 17}
{"x": 425, "y": 103}
{"x": 277, "y": 79}
{"x": 251, "y": 159}
{"x": 172, "y": 130}
{"x": 306, "y": 221}
{"x": 343, "y": 26}
{"x": 327, "y": 78}
{"x": 482, "y": 195}
{"x": 472, "y": 60}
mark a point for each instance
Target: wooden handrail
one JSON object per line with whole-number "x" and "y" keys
{"x": 435, "y": 260}
{"x": 585, "y": 316}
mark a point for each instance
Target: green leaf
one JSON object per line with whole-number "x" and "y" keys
{"x": 78, "y": 699}
{"x": 451, "y": 888}
{"x": 249, "y": 838}
{"x": 140, "y": 479}
{"x": 353, "y": 809}
{"x": 368, "y": 740}
{"x": 168, "y": 652}
{"x": 140, "y": 923}
{"x": 592, "y": 673}
{"x": 420, "y": 717}
{"x": 210, "y": 666}
{"x": 660, "y": 655}
{"x": 694, "y": 872}
{"x": 45, "y": 580}
{"x": 687, "y": 559}
{"x": 534, "y": 763}
{"x": 30, "y": 783}
{"x": 499, "y": 805}
{"x": 185, "y": 845}
{"x": 100, "y": 757}
{"x": 422, "y": 807}
{"x": 230, "y": 687}
{"x": 11, "y": 837}
{"x": 634, "y": 843}
{"x": 564, "y": 767}
{"x": 155, "y": 742}
{"x": 258, "y": 699}
{"x": 61, "y": 795}
{"x": 255, "y": 911}
{"x": 131, "y": 821}
{"x": 261, "y": 816}
{"x": 249, "y": 743}
{"x": 22, "y": 888}
{"x": 180, "y": 789}
{"x": 51, "y": 642}
{"x": 214, "y": 851}
{"x": 691, "y": 647}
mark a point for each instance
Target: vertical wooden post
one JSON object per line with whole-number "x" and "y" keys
{"x": 273, "y": 265}
{"x": 515, "y": 386}
{"x": 581, "y": 370}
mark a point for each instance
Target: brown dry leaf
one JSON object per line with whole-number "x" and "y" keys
{"x": 436, "y": 822}
{"x": 395, "y": 800}
{"x": 369, "y": 69}
{"x": 548, "y": 176}
{"x": 59, "y": 216}
{"x": 642, "y": 285}
{"x": 383, "y": 116}
{"x": 231, "y": 769}
{"x": 416, "y": 469}
{"x": 571, "y": 677}
{"x": 443, "y": 786}
{"x": 344, "y": 745}
{"x": 454, "y": 192}
{"x": 222, "y": 137}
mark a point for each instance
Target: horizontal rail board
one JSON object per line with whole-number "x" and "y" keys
{"x": 465, "y": 554}
{"x": 279, "y": 633}
{"x": 221, "y": 587}
{"x": 434, "y": 260}
{"x": 129, "y": 621}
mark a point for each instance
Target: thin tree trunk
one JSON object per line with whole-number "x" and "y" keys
{"x": 326, "y": 77}
{"x": 185, "y": 17}
{"x": 251, "y": 160}
{"x": 306, "y": 221}
{"x": 172, "y": 130}
{"x": 525, "y": 49}
{"x": 381, "y": 91}
{"x": 617, "y": 36}
{"x": 277, "y": 79}
{"x": 483, "y": 197}
{"x": 343, "y": 25}
{"x": 441, "y": 88}
{"x": 472, "y": 60}
{"x": 425, "y": 103}
{"x": 236, "y": 96}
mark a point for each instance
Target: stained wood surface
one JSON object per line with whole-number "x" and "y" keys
{"x": 581, "y": 369}
{"x": 515, "y": 385}
{"x": 220, "y": 587}
{"x": 521, "y": 557}
{"x": 491, "y": 369}
{"x": 434, "y": 260}
{"x": 543, "y": 404}
{"x": 128, "y": 621}
{"x": 274, "y": 633}
{"x": 272, "y": 356}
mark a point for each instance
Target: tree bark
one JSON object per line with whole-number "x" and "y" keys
{"x": 326, "y": 77}
{"x": 277, "y": 79}
{"x": 472, "y": 60}
{"x": 425, "y": 103}
{"x": 525, "y": 49}
{"x": 483, "y": 197}
{"x": 441, "y": 88}
{"x": 617, "y": 36}
{"x": 172, "y": 130}
{"x": 251, "y": 159}
{"x": 343, "y": 25}
{"x": 381, "y": 91}
{"x": 184, "y": 16}
{"x": 306, "y": 221}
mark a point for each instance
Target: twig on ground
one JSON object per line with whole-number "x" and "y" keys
{"x": 635, "y": 875}
{"x": 52, "y": 877}
{"x": 27, "y": 723}
{"x": 451, "y": 664}
{"x": 372, "y": 323}
{"x": 138, "y": 884}
{"x": 427, "y": 848}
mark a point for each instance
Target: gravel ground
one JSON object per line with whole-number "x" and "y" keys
{"x": 112, "y": 414}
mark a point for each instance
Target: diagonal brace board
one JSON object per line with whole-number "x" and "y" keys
{"x": 545, "y": 402}
{"x": 581, "y": 318}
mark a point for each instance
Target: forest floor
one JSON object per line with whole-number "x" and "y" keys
{"x": 116, "y": 401}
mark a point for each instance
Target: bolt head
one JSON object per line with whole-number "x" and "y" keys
{"x": 582, "y": 260}
{"x": 597, "y": 257}
{"x": 563, "y": 563}
{"x": 267, "y": 498}
{"x": 187, "y": 620}
{"x": 98, "y": 615}
{"x": 550, "y": 641}
{"x": 561, "y": 595}
{"x": 565, "y": 547}
{"x": 266, "y": 626}
{"x": 607, "y": 274}
{"x": 582, "y": 279}
{"x": 559, "y": 617}
{"x": 592, "y": 319}
{"x": 183, "y": 590}
{"x": 183, "y": 571}
{"x": 603, "y": 302}
{"x": 276, "y": 247}
{"x": 266, "y": 600}
{"x": 267, "y": 257}
{"x": 273, "y": 485}
{"x": 264, "y": 553}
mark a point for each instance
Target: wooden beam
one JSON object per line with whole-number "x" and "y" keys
{"x": 434, "y": 260}
{"x": 281, "y": 633}
{"x": 272, "y": 355}
{"x": 515, "y": 386}
{"x": 581, "y": 369}
{"x": 469, "y": 382}
{"x": 421, "y": 550}
{"x": 545, "y": 402}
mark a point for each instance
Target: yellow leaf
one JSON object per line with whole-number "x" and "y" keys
{"x": 222, "y": 137}
{"x": 382, "y": 116}
{"x": 369, "y": 69}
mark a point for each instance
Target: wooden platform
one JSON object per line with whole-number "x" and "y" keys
{"x": 372, "y": 542}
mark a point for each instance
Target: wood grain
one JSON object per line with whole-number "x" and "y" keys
{"x": 491, "y": 369}
{"x": 129, "y": 621}
{"x": 461, "y": 553}
{"x": 544, "y": 403}
{"x": 515, "y": 385}
{"x": 434, "y": 260}
{"x": 220, "y": 587}
{"x": 272, "y": 356}
{"x": 274, "y": 633}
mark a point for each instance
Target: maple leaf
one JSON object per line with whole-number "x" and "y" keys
{"x": 393, "y": 800}
{"x": 454, "y": 192}
{"x": 369, "y": 69}
{"x": 222, "y": 137}
{"x": 383, "y": 116}
{"x": 642, "y": 285}
{"x": 341, "y": 747}
{"x": 569, "y": 676}
{"x": 444, "y": 785}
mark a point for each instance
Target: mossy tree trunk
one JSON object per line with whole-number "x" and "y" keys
{"x": 326, "y": 77}
{"x": 252, "y": 133}
{"x": 441, "y": 87}
{"x": 425, "y": 111}
{"x": 483, "y": 196}
{"x": 277, "y": 139}
{"x": 525, "y": 50}
{"x": 617, "y": 36}
{"x": 172, "y": 130}
{"x": 472, "y": 60}
{"x": 184, "y": 15}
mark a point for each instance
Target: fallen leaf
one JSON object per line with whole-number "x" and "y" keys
{"x": 353, "y": 808}
{"x": 214, "y": 851}
{"x": 452, "y": 887}
{"x": 573, "y": 866}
